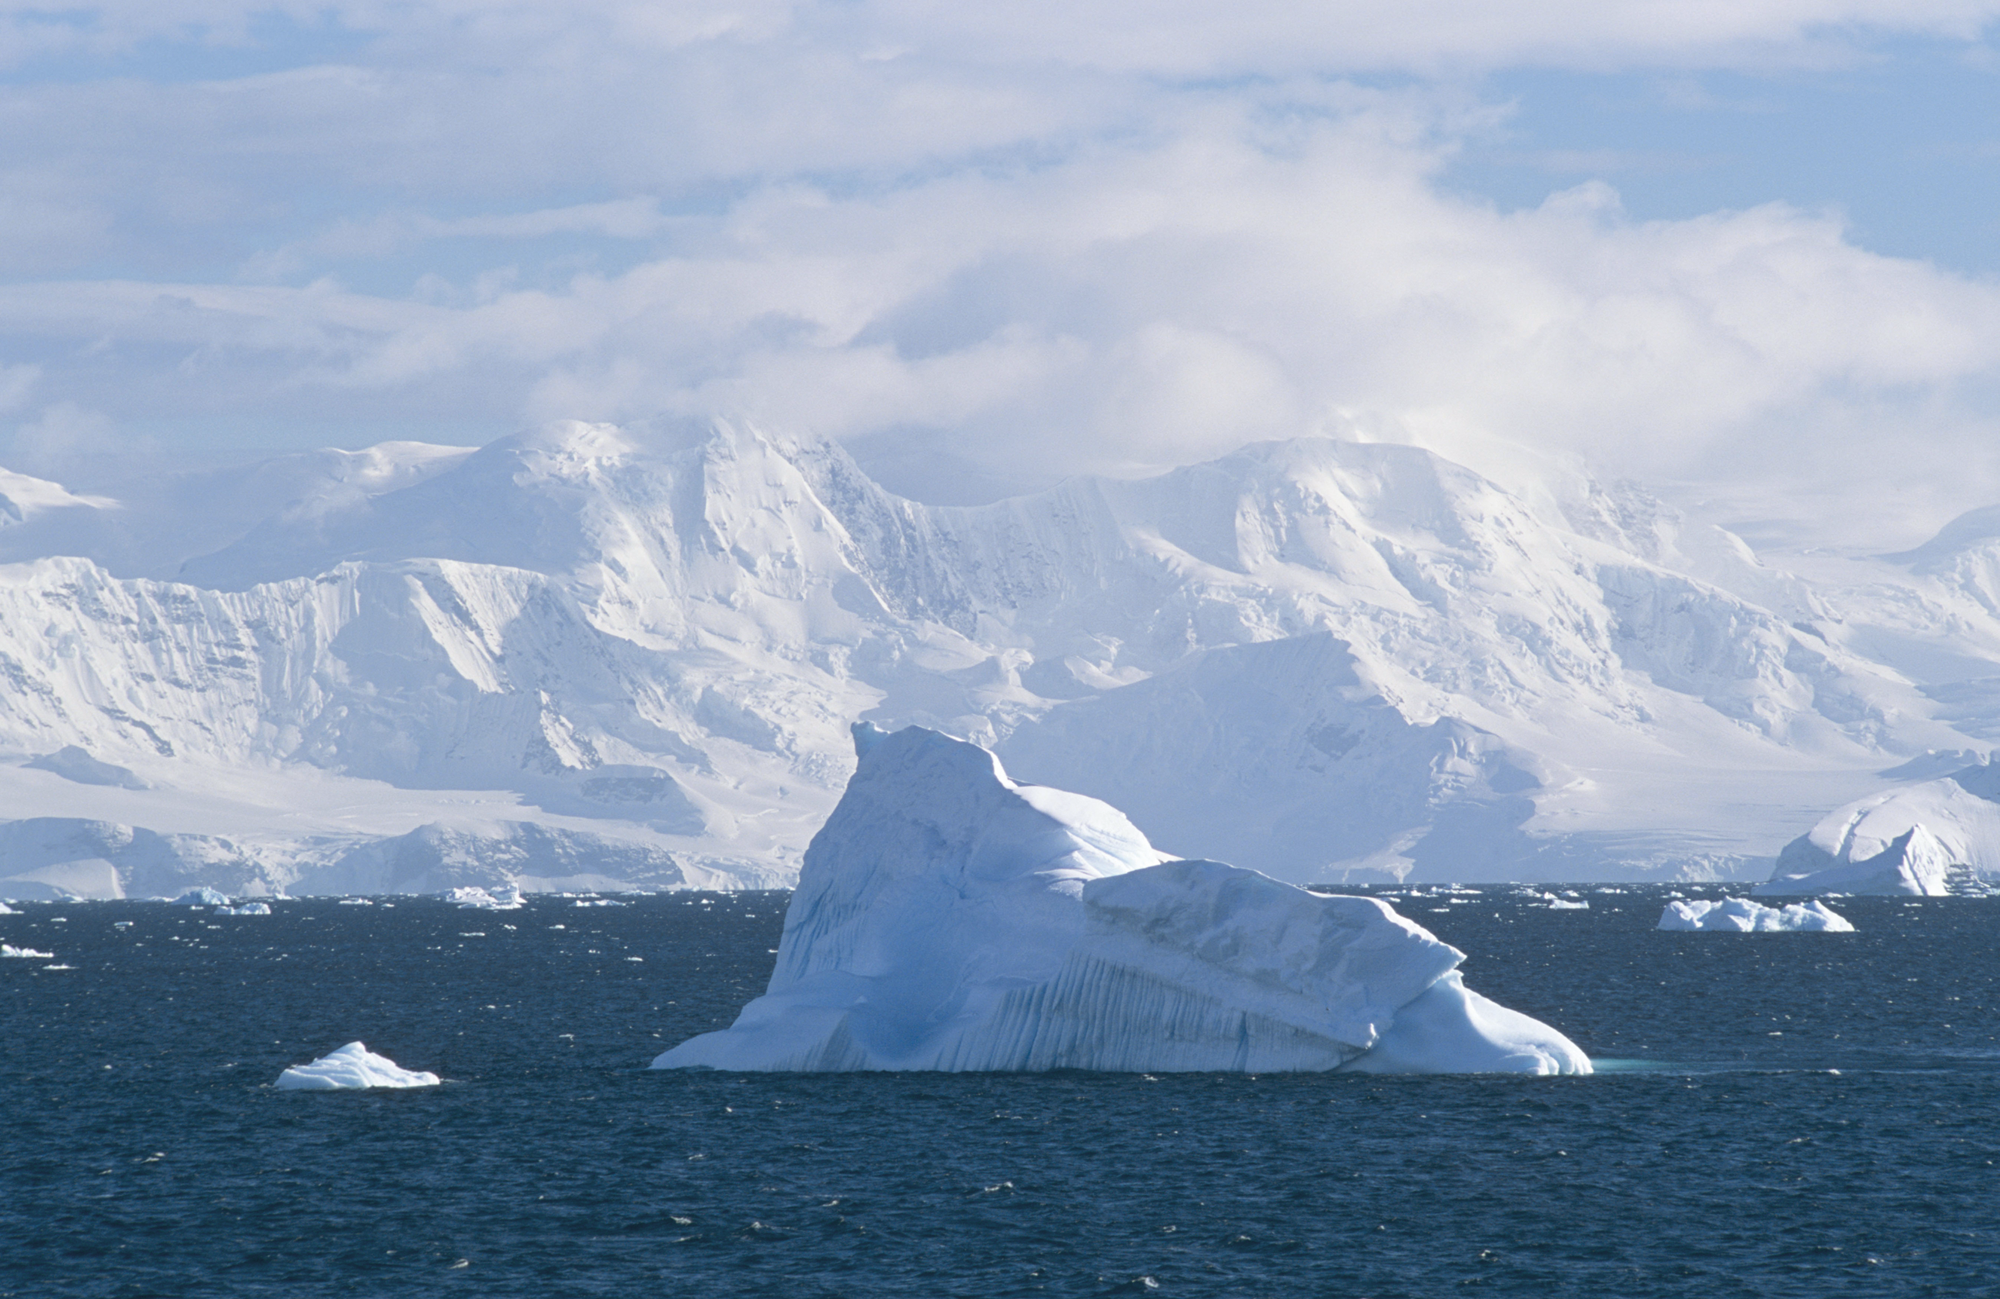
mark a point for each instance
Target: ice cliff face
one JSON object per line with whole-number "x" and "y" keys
{"x": 948, "y": 918}
{"x": 1321, "y": 658}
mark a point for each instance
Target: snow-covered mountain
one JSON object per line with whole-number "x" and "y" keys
{"x": 587, "y": 656}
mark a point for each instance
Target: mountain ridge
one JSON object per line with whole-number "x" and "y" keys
{"x": 666, "y": 640}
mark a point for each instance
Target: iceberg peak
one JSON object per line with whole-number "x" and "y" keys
{"x": 950, "y": 918}
{"x": 866, "y": 736}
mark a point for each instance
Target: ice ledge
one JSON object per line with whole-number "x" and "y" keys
{"x": 950, "y": 919}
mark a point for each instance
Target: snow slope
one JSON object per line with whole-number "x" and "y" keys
{"x": 595, "y": 653}
{"x": 948, "y": 918}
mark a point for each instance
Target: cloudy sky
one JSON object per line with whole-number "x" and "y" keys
{"x": 1747, "y": 250}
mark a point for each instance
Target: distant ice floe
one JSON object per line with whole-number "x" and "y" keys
{"x": 502, "y": 897}
{"x": 6, "y": 910}
{"x": 1742, "y": 916}
{"x": 948, "y": 918}
{"x": 202, "y": 898}
{"x": 247, "y": 909}
{"x": 27, "y": 953}
{"x": 352, "y": 1067}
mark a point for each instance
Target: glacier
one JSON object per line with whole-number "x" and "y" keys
{"x": 1742, "y": 916}
{"x": 949, "y": 918}
{"x": 593, "y": 657}
{"x": 352, "y": 1067}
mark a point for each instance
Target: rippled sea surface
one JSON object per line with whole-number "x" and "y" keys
{"x": 1778, "y": 1114}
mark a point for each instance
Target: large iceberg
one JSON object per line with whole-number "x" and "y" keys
{"x": 948, "y": 918}
{"x": 1928, "y": 839}
{"x": 1742, "y": 916}
{"x": 1914, "y": 862}
{"x": 352, "y": 1067}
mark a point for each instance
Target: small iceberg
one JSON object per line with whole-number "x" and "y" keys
{"x": 247, "y": 909}
{"x": 504, "y": 897}
{"x": 202, "y": 898}
{"x": 1742, "y": 916}
{"x": 949, "y": 918}
{"x": 26, "y": 953}
{"x": 352, "y": 1067}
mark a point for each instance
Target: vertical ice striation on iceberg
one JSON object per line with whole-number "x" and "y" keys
{"x": 949, "y": 918}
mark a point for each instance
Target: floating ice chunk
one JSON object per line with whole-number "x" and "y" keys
{"x": 503, "y": 897}
{"x": 352, "y": 1066}
{"x": 355, "y": 902}
{"x": 6, "y": 910}
{"x": 948, "y": 918}
{"x": 247, "y": 909}
{"x": 202, "y": 898}
{"x": 28, "y": 953}
{"x": 1742, "y": 916}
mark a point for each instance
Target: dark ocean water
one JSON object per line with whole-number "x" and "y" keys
{"x": 1794, "y": 1114}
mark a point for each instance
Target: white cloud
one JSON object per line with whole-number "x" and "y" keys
{"x": 1171, "y": 37}
{"x": 1141, "y": 306}
{"x": 64, "y": 434}
{"x": 16, "y": 381}
{"x": 1043, "y": 237}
